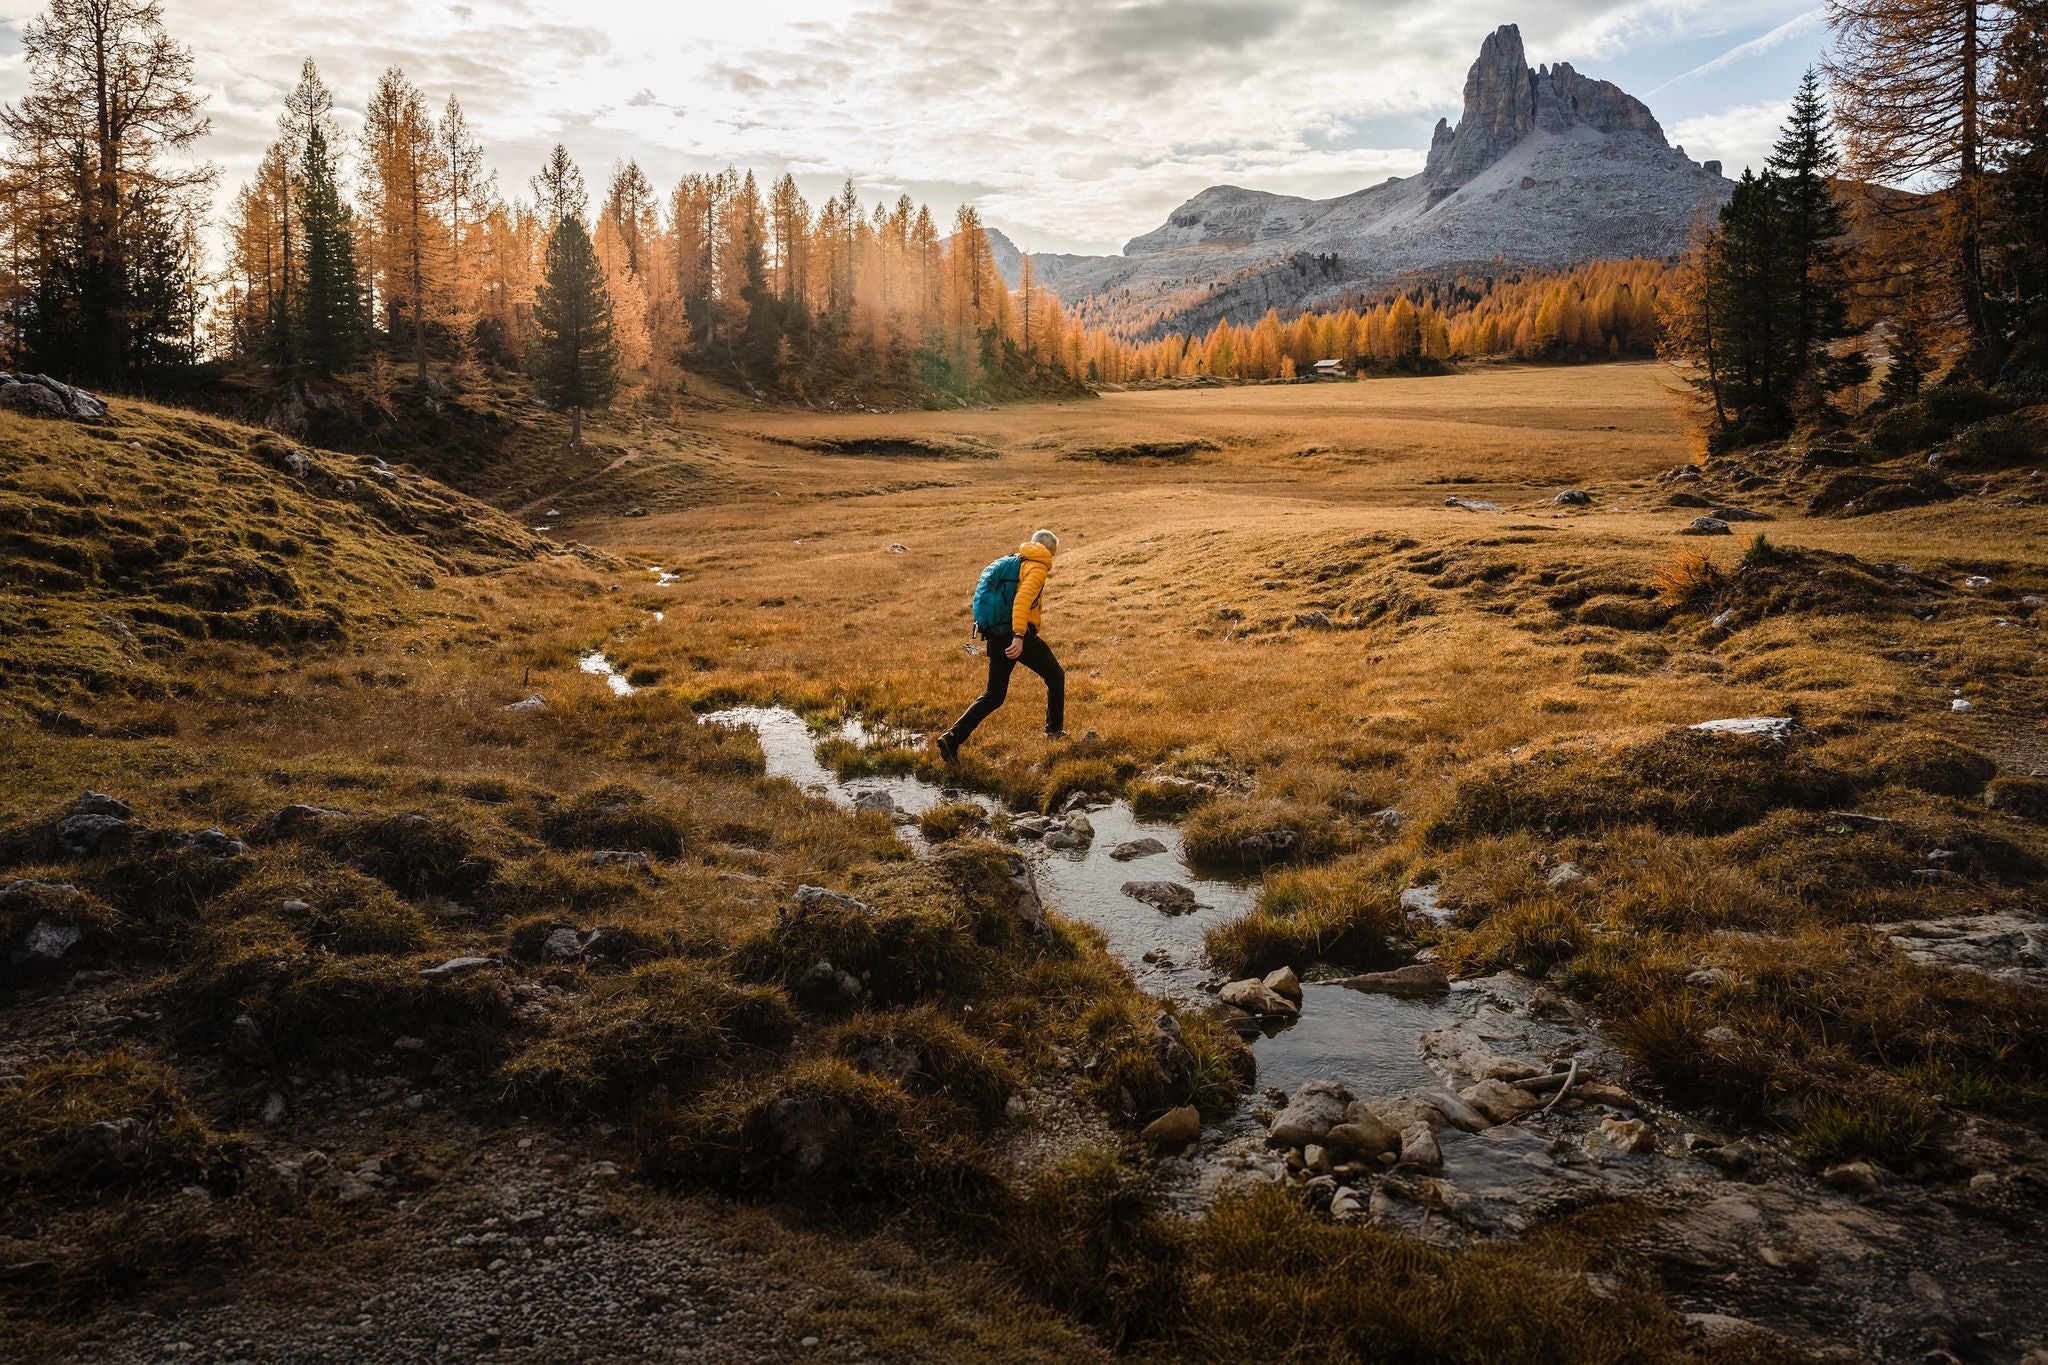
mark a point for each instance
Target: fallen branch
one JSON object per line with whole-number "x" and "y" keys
{"x": 1555, "y": 1078}
{"x": 1564, "y": 1089}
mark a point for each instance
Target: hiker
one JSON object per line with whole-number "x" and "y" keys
{"x": 1008, "y": 610}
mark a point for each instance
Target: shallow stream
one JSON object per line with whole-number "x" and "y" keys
{"x": 1368, "y": 1042}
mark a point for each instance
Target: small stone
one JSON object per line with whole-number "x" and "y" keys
{"x": 1706, "y": 526}
{"x": 1314, "y": 620}
{"x": 1136, "y": 848}
{"x": 1571, "y": 497}
{"x": 878, "y": 802}
{"x": 213, "y": 842}
{"x": 245, "y": 1037}
{"x": 47, "y": 941}
{"x": 1706, "y": 977}
{"x": 1174, "y": 1128}
{"x": 273, "y": 1109}
{"x": 1499, "y": 1100}
{"x": 1363, "y": 1133}
{"x": 1284, "y": 982}
{"x": 1961, "y": 707}
{"x": 1267, "y": 845}
{"x": 1782, "y": 729}
{"x": 1858, "y": 1177}
{"x": 536, "y": 702}
{"x": 636, "y": 859}
{"x": 1628, "y": 1135}
{"x": 1316, "y": 1108}
{"x": 1347, "y": 1205}
{"x": 1979, "y": 1183}
{"x": 1565, "y": 874}
{"x": 1255, "y": 997}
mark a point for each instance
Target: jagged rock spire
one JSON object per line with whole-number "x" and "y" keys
{"x": 1505, "y": 101}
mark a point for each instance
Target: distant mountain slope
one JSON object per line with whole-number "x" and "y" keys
{"x": 1545, "y": 167}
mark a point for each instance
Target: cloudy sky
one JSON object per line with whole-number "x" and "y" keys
{"x": 1072, "y": 124}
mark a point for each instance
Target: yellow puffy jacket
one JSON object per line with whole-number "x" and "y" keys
{"x": 1031, "y": 575}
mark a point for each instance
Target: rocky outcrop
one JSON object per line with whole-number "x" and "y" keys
{"x": 46, "y": 397}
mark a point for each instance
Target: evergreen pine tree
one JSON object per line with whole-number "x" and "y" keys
{"x": 574, "y": 355}
{"x": 1908, "y": 368}
{"x": 331, "y": 291}
{"x": 1811, "y": 227}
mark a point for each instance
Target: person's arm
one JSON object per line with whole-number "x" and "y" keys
{"x": 1030, "y": 587}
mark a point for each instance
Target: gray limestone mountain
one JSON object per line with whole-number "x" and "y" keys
{"x": 1545, "y": 167}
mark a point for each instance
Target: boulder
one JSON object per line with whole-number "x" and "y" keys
{"x": 562, "y": 945}
{"x": 1419, "y": 1148}
{"x": 1136, "y": 848}
{"x": 1499, "y": 1100}
{"x": 1572, "y": 497}
{"x": 878, "y": 802}
{"x": 33, "y": 399}
{"x": 1285, "y": 982}
{"x": 1316, "y": 1108}
{"x": 1362, "y": 1133}
{"x": 1167, "y": 897}
{"x": 1780, "y": 729}
{"x": 1254, "y": 996}
{"x": 1706, "y": 526}
{"x": 1032, "y": 826}
{"x": 1081, "y": 827}
{"x": 1314, "y": 620}
{"x": 1174, "y": 1128}
{"x": 1415, "y": 979}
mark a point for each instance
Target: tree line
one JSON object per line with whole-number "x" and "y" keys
{"x": 1820, "y": 267}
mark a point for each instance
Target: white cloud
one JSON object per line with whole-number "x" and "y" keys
{"x": 1076, "y": 123}
{"x": 1798, "y": 26}
{"x": 1737, "y": 137}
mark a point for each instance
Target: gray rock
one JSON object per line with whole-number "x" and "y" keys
{"x": 1565, "y": 874}
{"x": 562, "y": 945}
{"x": 826, "y": 981}
{"x": 1472, "y": 505}
{"x": 1499, "y": 1100}
{"x": 1737, "y": 514}
{"x": 215, "y": 843}
{"x": 1782, "y": 729}
{"x": 83, "y": 834}
{"x": 1254, "y": 997}
{"x": 1283, "y": 981}
{"x": 1314, "y": 620}
{"x": 1454, "y": 1108}
{"x": 813, "y": 897}
{"x": 456, "y": 966}
{"x": 526, "y": 706}
{"x": 1422, "y": 900}
{"x": 1414, "y": 980}
{"x": 1032, "y": 826}
{"x": 33, "y": 399}
{"x": 1388, "y": 821}
{"x": 1419, "y": 1148}
{"x": 877, "y": 802}
{"x": 1314, "y": 1109}
{"x": 1081, "y": 827}
{"x": 636, "y": 859}
{"x": 46, "y": 942}
{"x": 1706, "y": 526}
{"x": 99, "y": 803}
{"x": 1572, "y": 497}
{"x": 1167, "y": 897}
{"x": 1136, "y": 848}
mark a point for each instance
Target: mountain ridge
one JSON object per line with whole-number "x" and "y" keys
{"x": 1545, "y": 167}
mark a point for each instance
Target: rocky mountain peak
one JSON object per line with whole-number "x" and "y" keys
{"x": 1506, "y": 100}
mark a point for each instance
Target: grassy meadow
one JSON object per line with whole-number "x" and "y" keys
{"x": 1261, "y": 592}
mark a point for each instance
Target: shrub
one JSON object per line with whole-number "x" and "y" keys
{"x": 2022, "y": 796}
{"x": 941, "y": 823}
{"x": 1683, "y": 781}
{"x": 1930, "y": 763}
{"x": 1247, "y": 832}
{"x": 1137, "y": 1076}
{"x": 1998, "y": 442}
{"x": 1889, "y": 1125}
{"x": 413, "y": 854}
{"x": 1166, "y": 798}
{"x": 1342, "y": 912}
{"x": 614, "y": 816}
{"x": 43, "y": 1123}
{"x": 1689, "y": 575}
{"x": 667, "y": 1023}
{"x": 1531, "y": 936}
{"x": 1950, "y": 407}
{"x": 927, "y": 1053}
{"x": 907, "y": 944}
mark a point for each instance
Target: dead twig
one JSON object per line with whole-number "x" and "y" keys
{"x": 1564, "y": 1089}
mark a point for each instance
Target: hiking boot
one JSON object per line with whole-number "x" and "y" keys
{"x": 949, "y": 749}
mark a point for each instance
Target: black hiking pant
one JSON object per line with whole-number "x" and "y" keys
{"x": 1035, "y": 657}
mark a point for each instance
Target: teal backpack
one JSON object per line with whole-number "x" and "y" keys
{"x": 995, "y": 595}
